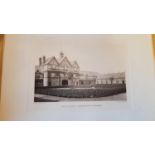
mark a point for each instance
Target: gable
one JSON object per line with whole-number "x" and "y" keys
{"x": 53, "y": 63}
{"x": 65, "y": 63}
{"x": 75, "y": 65}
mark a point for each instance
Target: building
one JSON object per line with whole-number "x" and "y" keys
{"x": 113, "y": 78}
{"x": 61, "y": 72}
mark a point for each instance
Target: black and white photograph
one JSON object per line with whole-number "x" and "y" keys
{"x": 80, "y": 68}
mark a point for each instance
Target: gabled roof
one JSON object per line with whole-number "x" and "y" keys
{"x": 74, "y": 63}
{"x": 60, "y": 60}
{"x": 51, "y": 59}
{"x": 65, "y": 58}
{"x": 61, "y": 57}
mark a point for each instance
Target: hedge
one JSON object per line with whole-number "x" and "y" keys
{"x": 97, "y": 91}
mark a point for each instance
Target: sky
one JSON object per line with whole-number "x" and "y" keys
{"x": 97, "y": 53}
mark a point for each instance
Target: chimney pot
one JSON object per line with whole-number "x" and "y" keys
{"x": 40, "y": 61}
{"x": 44, "y": 59}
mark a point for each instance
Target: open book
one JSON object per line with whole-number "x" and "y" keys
{"x": 94, "y": 76}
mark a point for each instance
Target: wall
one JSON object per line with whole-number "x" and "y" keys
{"x": 18, "y": 85}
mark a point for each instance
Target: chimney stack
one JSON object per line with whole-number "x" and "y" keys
{"x": 40, "y": 61}
{"x": 44, "y": 59}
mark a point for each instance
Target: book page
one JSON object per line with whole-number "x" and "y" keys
{"x": 22, "y": 53}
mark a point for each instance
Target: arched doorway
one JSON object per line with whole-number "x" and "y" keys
{"x": 64, "y": 82}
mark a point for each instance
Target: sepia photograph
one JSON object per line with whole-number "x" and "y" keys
{"x": 79, "y": 67}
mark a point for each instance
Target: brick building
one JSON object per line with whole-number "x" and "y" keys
{"x": 63, "y": 72}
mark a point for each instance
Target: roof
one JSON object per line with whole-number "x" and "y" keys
{"x": 50, "y": 59}
{"x": 60, "y": 60}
